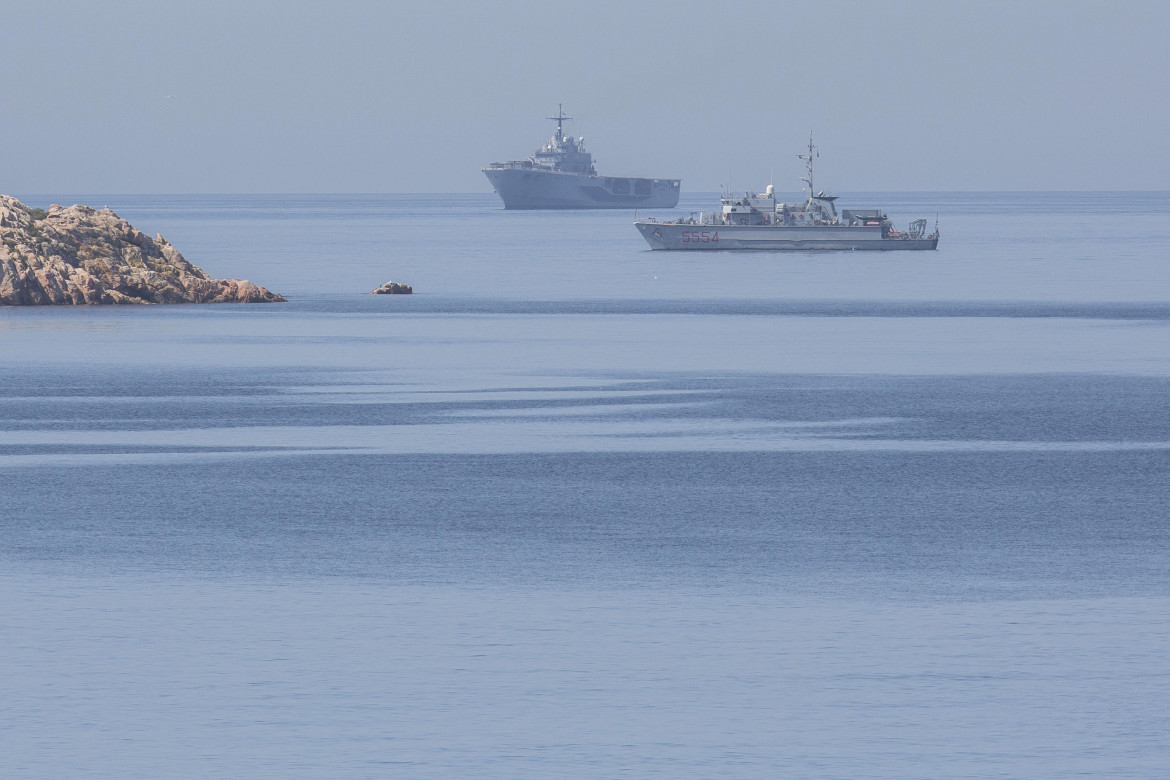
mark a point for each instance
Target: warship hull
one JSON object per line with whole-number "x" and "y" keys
{"x": 702, "y": 237}
{"x": 760, "y": 221}
{"x": 529, "y": 188}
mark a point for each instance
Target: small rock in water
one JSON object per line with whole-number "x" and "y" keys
{"x": 393, "y": 288}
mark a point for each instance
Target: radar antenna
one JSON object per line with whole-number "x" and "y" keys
{"x": 560, "y": 119}
{"x": 813, "y": 151}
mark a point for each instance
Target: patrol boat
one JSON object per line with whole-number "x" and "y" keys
{"x": 757, "y": 221}
{"x": 560, "y": 175}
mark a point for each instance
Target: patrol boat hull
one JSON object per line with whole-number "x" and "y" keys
{"x": 701, "y": 237}
{"x": 527, "y": 188}
{"x": 758, "y": 221}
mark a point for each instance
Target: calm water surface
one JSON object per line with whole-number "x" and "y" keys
{"x": 580, "y": 509}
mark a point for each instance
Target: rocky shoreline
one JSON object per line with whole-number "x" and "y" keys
{"x": 80, "y": 255}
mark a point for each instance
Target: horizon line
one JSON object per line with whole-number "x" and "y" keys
{"x": 302, "y": 193}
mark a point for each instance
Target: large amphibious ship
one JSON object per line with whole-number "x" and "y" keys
{"x": 560, "y": 175}
{"x": 757, "y": 221}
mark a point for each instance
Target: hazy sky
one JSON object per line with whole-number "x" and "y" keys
{"x": 342, "y": 96}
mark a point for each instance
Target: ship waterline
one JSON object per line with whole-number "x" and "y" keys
{"x": 697, "y": 236}
{"x": 531, "y": 188}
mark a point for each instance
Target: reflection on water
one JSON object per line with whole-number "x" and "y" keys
{"x": 580, "y": 509}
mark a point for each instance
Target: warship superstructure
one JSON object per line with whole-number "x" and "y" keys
{"x": 757, "y": 221}
{"x": 561, "y": 175}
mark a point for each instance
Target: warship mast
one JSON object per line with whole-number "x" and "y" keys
{"x": 560, "y": 118}
{"x": 813, "y": 151}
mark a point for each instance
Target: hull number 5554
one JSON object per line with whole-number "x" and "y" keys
{"x": 699, "y": 236}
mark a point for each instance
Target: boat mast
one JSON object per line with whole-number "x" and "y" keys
{"x": 560, "y": 119}
{"x": 808, "y": 158}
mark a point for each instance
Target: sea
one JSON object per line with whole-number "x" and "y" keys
{"x": 579, "y": 509}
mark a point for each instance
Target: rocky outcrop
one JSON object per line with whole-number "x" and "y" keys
{"x": 393, "y": 288}
{"x": 78, "y": 255}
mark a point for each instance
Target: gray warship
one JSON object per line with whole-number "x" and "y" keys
{"x": 757, "y": 221}
{"x": 560, "y": 175}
